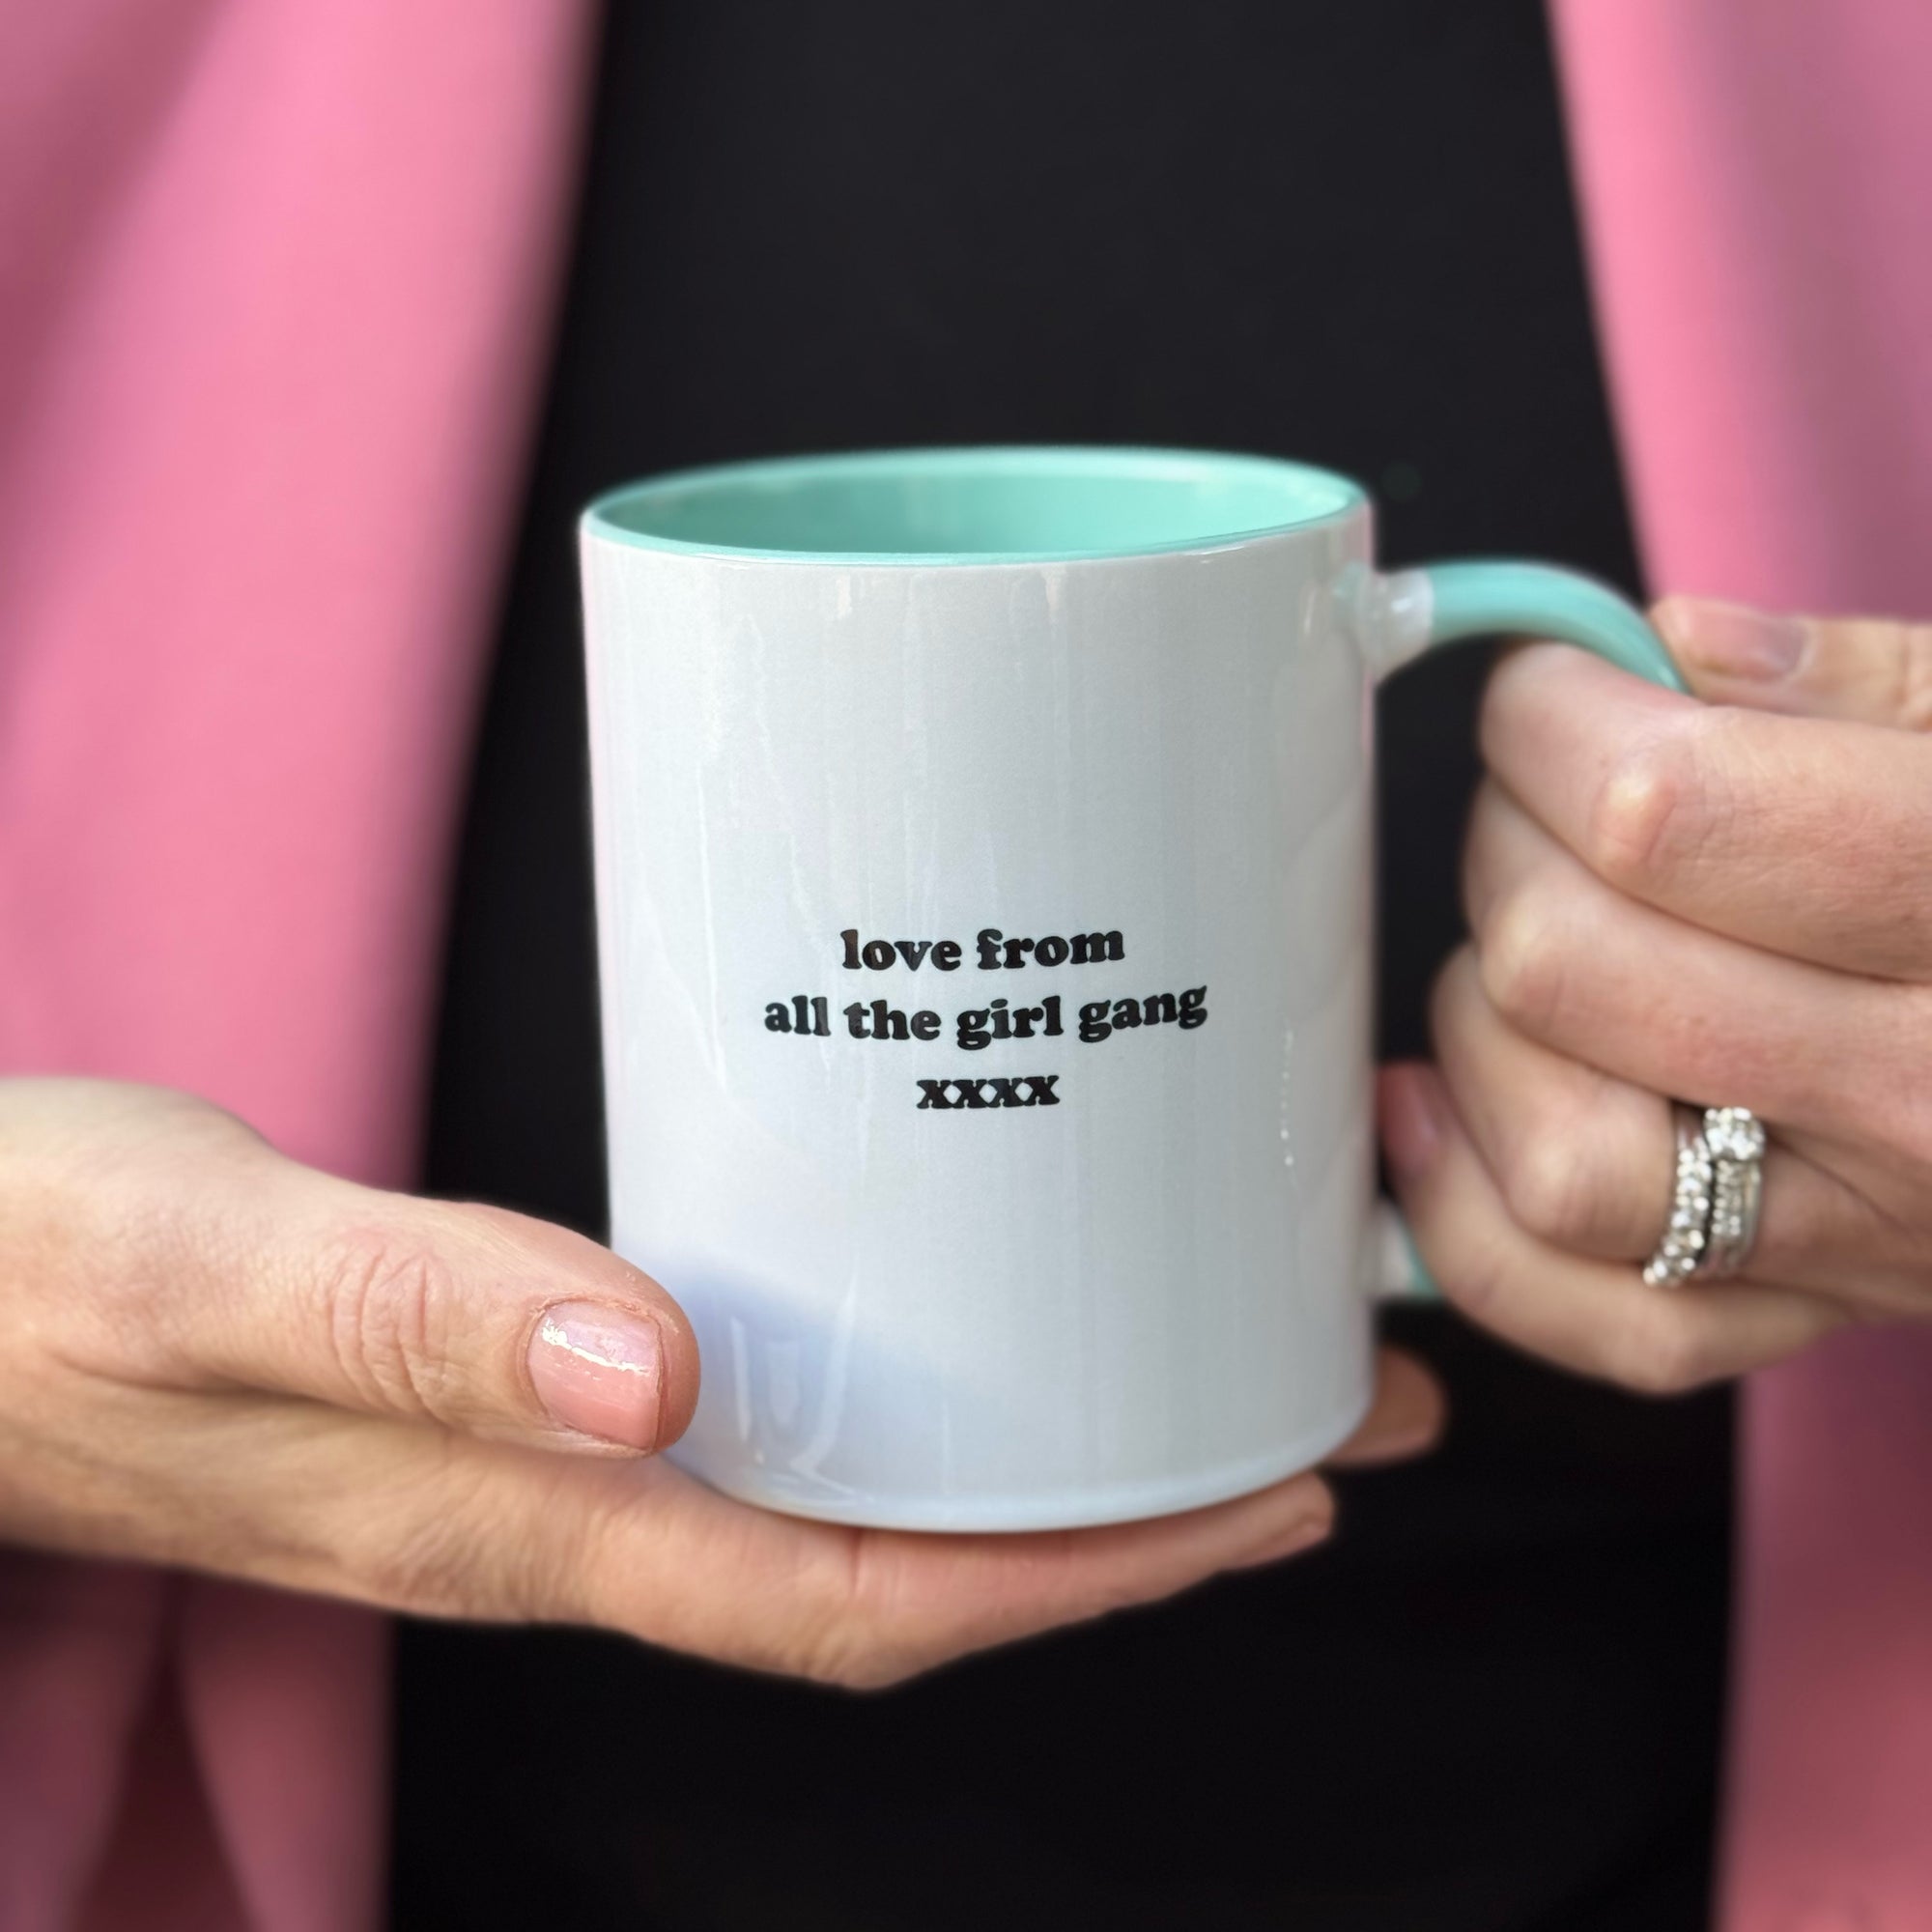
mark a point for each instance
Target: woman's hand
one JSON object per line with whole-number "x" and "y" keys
{"x": 1728, "y": 903}
{"x": 212, "y": 1356}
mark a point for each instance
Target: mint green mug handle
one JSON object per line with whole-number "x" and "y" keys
{"x": 1414, "y": 610}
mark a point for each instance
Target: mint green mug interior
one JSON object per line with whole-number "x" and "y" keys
{"x": 992, "y": 505}
{"x": 1044, "y": 505}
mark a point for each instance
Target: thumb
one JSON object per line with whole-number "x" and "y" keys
{"x": 474, "y": 1318}
{"x": 1875, "y": 670}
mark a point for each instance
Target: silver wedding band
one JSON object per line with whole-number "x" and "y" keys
{"x": 1716, "y": 1197}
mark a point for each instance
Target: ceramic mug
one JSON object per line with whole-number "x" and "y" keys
{"x": 983, "y": 847}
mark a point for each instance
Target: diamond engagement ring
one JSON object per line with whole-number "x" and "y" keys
{"x": 1736, "y": 1138}
{"x": 1717, "y": 1197}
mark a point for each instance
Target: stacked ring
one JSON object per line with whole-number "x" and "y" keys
{"x": 1716, "y": 1199}
{"x": 1736, "y": 1138}
{"x": 1682, "y": 1247}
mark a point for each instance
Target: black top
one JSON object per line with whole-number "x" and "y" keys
{"x": 1338, "y": 230}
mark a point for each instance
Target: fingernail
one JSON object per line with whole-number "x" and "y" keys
{"x": 1411, "y": 1443}
{"x": 1731, "y": 639}
{"x": 1302, "y": 1535}
{"x": 1410, "y": 1124}
{"x": 1394, "y": 1442}
{"x": 599, "y": 1371}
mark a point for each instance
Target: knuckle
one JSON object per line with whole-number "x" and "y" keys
{"x": 859, "y": 1668}
{"x": 833, "y": 1630}
{"x": 886, "y": 1615}
{"x": 1660, "y": 1352}
{"x": 424, "y": 1568}
{"x": 456, "y": 1542}
{"x": 1456, "y": 995}
{"x": 418, "y": 1552}
{"x": 1551, "y": 1188}
{"x": 389, "y": 1294}
{"x": 855, "y": 1644}
{"x": 1476, "y": 1279}
{"x": 1522, "y": 957}
{"x": 1654, "y": 811}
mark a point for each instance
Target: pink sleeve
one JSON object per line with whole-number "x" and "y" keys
{"x": 275, "y": 286}
{"x": 1758, "y": 182}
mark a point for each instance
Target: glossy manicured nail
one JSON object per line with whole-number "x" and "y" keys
{"x": 600, "y": 1370}
{"x": 1732, "y": 640}
{"x": 1411, "y": 1123}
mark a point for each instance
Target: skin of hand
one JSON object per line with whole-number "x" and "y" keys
{"x": 1727, "y": 902}
{"x": 214, "y": 1357}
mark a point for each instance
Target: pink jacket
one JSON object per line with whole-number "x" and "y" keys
{"x": 273, "y": 286}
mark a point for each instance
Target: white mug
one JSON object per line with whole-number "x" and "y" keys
{"x": 983, "y": 847}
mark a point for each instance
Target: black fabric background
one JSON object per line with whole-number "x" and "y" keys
{"x": 1335, "y": 229}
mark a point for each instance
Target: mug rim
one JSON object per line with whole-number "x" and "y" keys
{"x": 1347, "y": 499}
